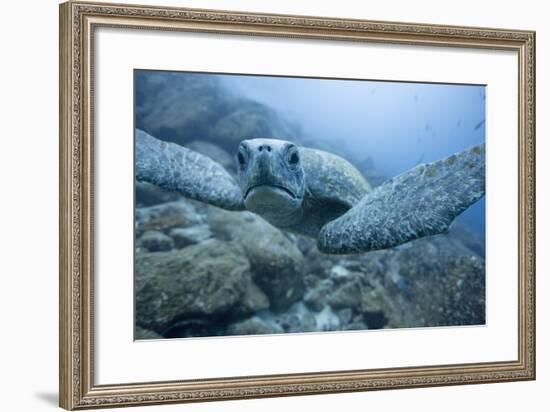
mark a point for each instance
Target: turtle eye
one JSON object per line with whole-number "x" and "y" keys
{"x": 241, "y": 158}
{"x": 294, "y": 158}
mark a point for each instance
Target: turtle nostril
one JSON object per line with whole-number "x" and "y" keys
{"x": 264, "y": 147}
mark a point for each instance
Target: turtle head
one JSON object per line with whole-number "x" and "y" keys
{"x": 271, "y": 177}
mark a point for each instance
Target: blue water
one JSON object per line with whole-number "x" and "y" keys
{"x": 397, "y": 124}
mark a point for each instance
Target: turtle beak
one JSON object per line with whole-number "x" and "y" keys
{"x": 264, "y": 166}
{"x": 262, "y": 172}
{"x": 281, "y": 188}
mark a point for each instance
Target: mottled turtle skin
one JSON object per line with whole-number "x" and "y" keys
{"x": 319, "y": 194}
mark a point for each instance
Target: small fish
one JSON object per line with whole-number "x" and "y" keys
{"x": 477, "y": 126}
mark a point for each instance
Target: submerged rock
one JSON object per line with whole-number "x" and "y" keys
{"x": 253, "y": 326}
{"x": 444, "y": 289}
{"x": 142, "y": 334}
{"x": 155, "y": 241}
{"x": 339, "y": 273}
{"x": 345, "y": 315}
{"x": 347, "y": 295}
{"x": 178, "y": 107}
{"x": 316, "y": 296}
{"x": 249, "y": 120}
{"x": 163, "y": 217}
{"x": 438, "y": 280}
{"x": 368, "y": 167}
{"x": 214, "y": 152}
{"x": 184, "y": 107}
{"x": 298, "y": 318}
{"x": 327, "y": 319}
{"x": 275, "y": 261}
{"x": 210, "y": 282}
{"x": 190, "y": 235}
{"x": 148, "y": 194}
{"x": 432, "y": 281}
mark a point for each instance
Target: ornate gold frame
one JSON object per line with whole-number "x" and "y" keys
{"x": 77, "y": 23}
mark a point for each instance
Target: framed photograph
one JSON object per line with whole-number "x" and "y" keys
{"x": 258, "y": 205}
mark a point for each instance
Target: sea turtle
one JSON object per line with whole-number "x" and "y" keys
{"x": 318, "y": 194}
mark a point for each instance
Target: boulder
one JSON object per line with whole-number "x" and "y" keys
{"x": 445, "y": 285}
{"x": 214, "y": 152}
{"x": 148, "y": 194}
{"x": 346, "y": 295}
{"x": 166, "y": 216}
{"x": 253, "y": 326}
{"x": 345, "y": 315}
{"x": 340, "y": 274}
{"x": 183, "y": 237}
{"x": 374, "y": 175}
{"x": 249, "y": 120}
{"x": 178, "y": 107}
{"x": 276, "y": 263}
{"x": 143, "y": 334}
{"x": 434, "y": 281}
{"x": 327, "y": 320}
{"x": 208, "y": 282}
{"x": 155, "y": 241}
{"x": 316, "y": 296}
{"x": 296, "y": 319}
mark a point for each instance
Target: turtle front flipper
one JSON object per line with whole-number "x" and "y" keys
{"x": 178, "y": 169}
{"x": 420, "y": 202}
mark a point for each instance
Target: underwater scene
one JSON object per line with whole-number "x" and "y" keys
{"x": 269, "y": 205}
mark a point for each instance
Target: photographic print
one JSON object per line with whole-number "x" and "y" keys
{"x": 271, "y": 205}
{"x": 324, "y": 187}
